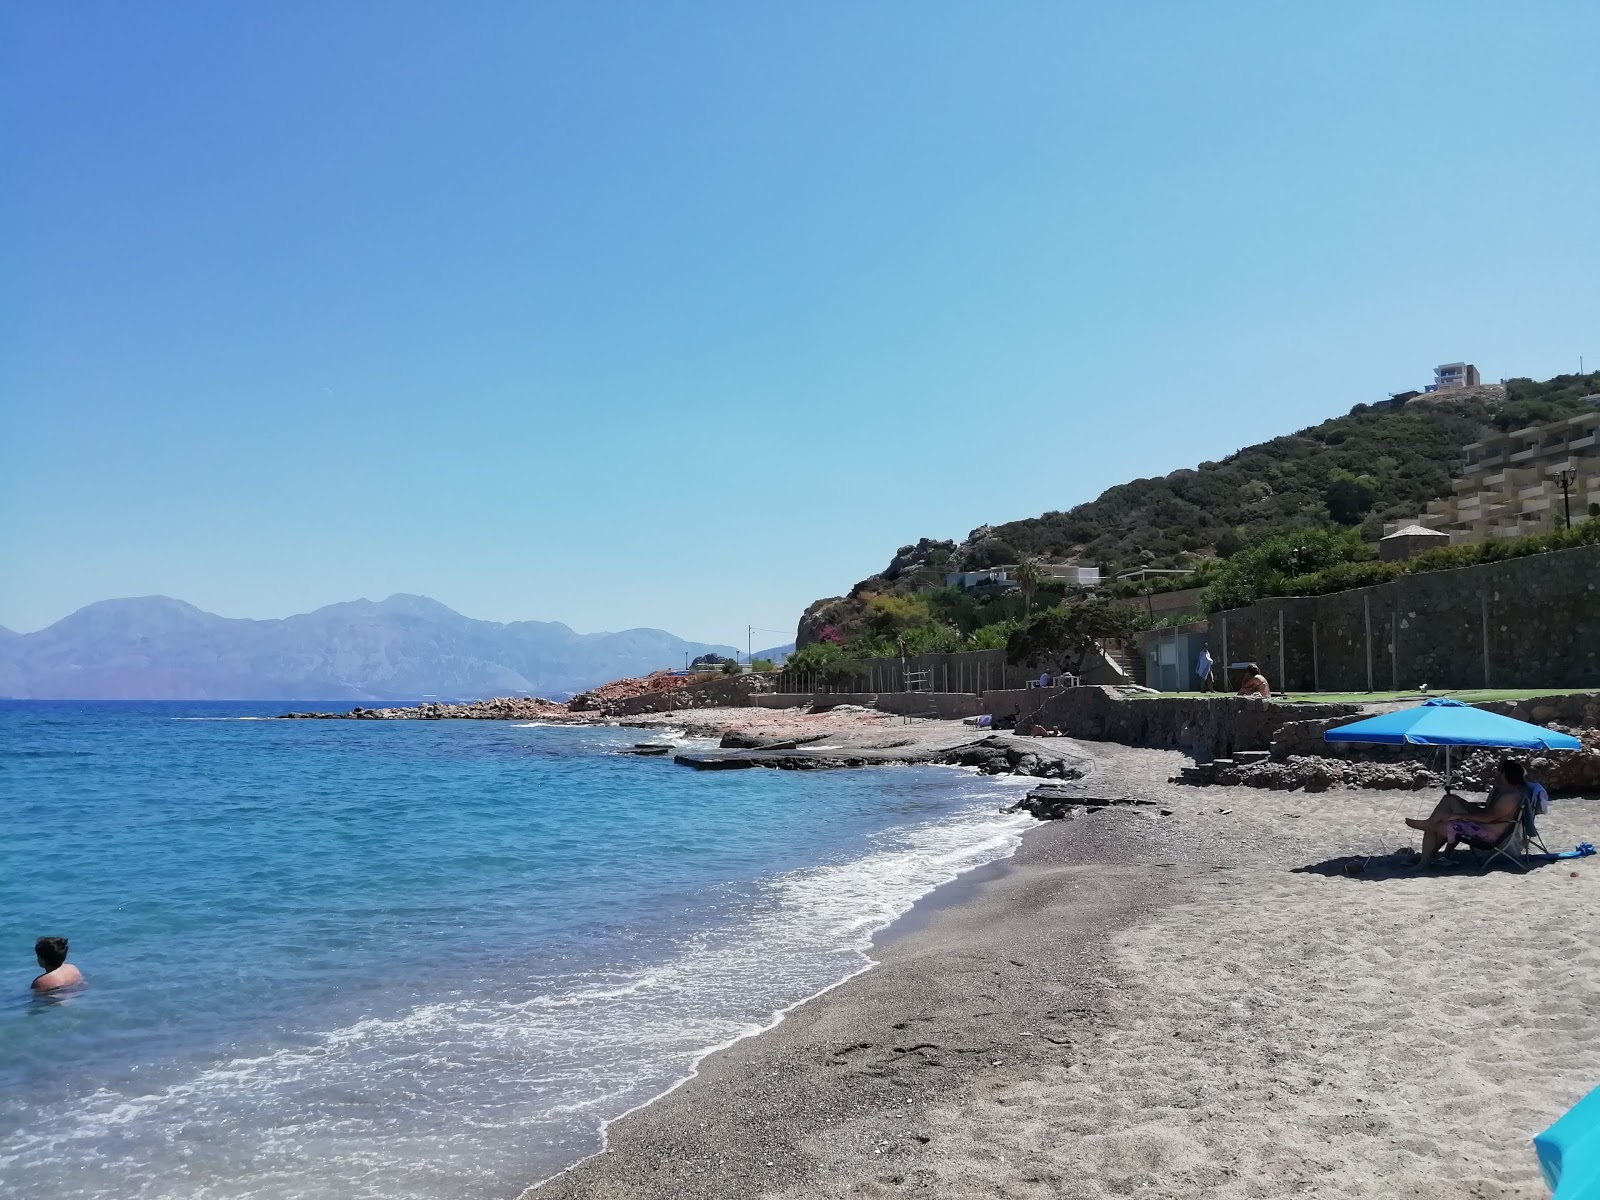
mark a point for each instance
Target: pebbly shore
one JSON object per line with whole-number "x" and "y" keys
{"x": 1254, "y": 995}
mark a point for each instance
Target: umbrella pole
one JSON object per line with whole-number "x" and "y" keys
{"x": 1447, "y": 768}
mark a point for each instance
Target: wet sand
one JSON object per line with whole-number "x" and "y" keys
{"x": 1198, "y": 1004}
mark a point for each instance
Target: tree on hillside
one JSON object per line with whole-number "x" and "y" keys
{"x": 1061, "y": 636}
{"x": 1030, "y": 574}
{"x": 1262, "y": 569}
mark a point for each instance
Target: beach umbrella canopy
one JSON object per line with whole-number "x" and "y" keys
{"x": 1569, "y": 1151}
{"x": 1445, "y": 722}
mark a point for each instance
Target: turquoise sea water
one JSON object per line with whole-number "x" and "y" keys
{"x": 408, "y": 959}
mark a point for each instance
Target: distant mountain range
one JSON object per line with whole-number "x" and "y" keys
{"x": 405, "y": 647}
{"x": 776, "y": 654}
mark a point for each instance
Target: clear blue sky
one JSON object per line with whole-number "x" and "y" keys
{"x": 686, "y": 314}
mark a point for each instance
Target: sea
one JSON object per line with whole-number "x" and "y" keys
{"x": 410, "y": 958}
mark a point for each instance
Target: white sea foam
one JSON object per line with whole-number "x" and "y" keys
{"x": 453, "y": 1098}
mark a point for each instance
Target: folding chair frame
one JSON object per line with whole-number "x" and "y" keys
{"x": 1513, "y": 844}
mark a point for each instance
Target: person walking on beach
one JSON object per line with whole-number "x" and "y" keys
{"x": 1202, "y": 669}
{"x": 58, "y": 972}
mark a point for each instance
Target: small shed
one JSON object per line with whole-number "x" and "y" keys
{"x": 1409, "y": 541}
{"x": 1170, "y": 654}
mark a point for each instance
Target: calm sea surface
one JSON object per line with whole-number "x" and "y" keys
{"x": 407, "y": 959}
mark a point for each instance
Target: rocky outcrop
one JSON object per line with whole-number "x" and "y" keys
{"x": 992, "y": 756}
{"x": 926, "y": 555}
{"x": 503, "y": 708}
{"x": 1002, "y": 756}
{"x": 1394, "y": 767}
{"x": 983, "y": 548}
{"x": 922, "y": 564}
{"x": 719, "y": 691}
{"x": 836, "y": 612}
{"x": 1054, "y": 802}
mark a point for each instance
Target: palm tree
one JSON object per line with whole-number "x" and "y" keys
{"x": 1029, "y": 575}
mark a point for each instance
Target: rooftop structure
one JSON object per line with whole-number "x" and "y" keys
{"x": 1511, "y": 483}
{"x": 1449, "y": 376}
{"x": 1409, "y": 541}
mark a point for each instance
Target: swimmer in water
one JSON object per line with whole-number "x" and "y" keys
{"x": 58, "y": 972}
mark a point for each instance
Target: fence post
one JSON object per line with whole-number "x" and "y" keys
{"x": 1366, "y": 609}
{"x": 1225, "y": 658}
{"x": 1394, "y": 651}
{"x": 1316, "y": 668}
{"x": 1283, "y": 676}
{"x": 1483, "y": 598}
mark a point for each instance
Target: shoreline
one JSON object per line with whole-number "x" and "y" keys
{"x": 950, "y": 892}
{"x": 1198, "y": 1005}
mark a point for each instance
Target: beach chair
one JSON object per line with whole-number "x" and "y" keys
{"x": 1514, "y": 844}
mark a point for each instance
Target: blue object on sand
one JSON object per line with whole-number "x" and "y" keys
{"x": 1569, "y": 1151}
{"x": 1444, "y": 722}
{"x": 1581, "y": 850}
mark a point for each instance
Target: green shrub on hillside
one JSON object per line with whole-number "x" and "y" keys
{"x": 992, "y": 637}
{"x": 818, "y": 656}
{"x": 1262, "y": 570}
{"x": 1356, "y": 470}
{"x": 1340, "y": 578}
{"x": 1257, "y": 573}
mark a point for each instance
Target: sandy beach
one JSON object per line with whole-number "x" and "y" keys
{"x": 1204, "y": 1003}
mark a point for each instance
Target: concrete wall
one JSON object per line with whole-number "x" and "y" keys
{"x": 1527, "y": 622}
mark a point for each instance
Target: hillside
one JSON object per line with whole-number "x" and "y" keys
{"x": 1373, "y": 464}
{"x": 405, "y": 647}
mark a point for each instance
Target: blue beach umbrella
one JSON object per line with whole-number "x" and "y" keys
{"x": 1569, "y": 1151}
{"x": 1447, "y": 723}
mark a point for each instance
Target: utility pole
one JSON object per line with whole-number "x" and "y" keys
{"x": 1566, "y": 477}
{"x": 749, "y": 646}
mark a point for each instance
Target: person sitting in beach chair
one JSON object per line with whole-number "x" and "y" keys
{"x": 1483, "y": 826}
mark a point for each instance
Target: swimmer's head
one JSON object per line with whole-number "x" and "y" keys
{"x": 51, "y": 952}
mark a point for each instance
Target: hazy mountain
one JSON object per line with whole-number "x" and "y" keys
{"x": 156, "y": 648}
{"x": 776, "y": 654}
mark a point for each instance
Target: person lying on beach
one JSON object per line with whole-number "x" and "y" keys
{"x": 58, "y": 972}
{"x": 1255, "y": 683}
{"x": 1454, "y": 820}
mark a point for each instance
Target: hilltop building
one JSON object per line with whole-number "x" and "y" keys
{"x": 1511, "y": 482}
{"x": 1450, "y": 376}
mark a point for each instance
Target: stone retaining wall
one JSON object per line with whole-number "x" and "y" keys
{"x": 1525, "y": 622}
{"x": 1205, "y": 728}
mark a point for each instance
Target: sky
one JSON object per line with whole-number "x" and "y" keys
{"x": 685, "y": 315}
